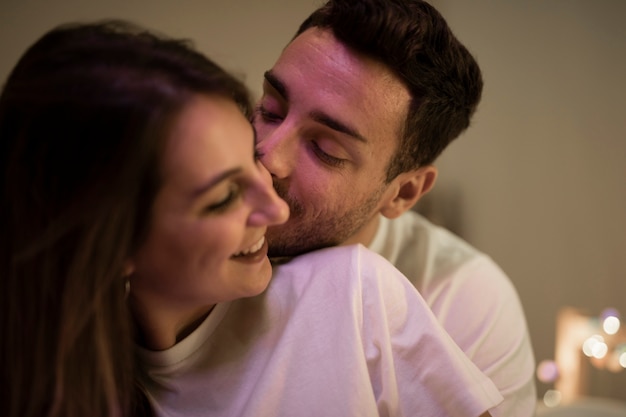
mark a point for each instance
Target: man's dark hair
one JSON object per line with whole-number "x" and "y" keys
{"x": 412, "y": 39}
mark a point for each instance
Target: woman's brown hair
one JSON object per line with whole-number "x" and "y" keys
{"x": 83, "y": 118}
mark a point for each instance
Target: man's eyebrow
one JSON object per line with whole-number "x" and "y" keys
{"x": 318, "y": 116}
{"x": 325, "y": 119}
{"x": 277, "y": 84}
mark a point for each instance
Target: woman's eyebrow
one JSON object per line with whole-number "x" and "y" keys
{"x": 214, "y": 181}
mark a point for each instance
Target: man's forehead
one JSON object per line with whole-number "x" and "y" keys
{"x": 348, "y": 86}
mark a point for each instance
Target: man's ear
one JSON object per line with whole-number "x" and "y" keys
{"x": 407, "y": 188}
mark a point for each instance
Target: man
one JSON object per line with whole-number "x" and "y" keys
{"x": 353, "y": 114}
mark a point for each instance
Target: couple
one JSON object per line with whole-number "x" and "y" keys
{"x": 135, "y": 187}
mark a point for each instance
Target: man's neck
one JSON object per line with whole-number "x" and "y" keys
{"x": 366, "y": 234}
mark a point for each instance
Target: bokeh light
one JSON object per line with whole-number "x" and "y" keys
{"x": 547, "y": 371}
{"x": 552, "y": 398}
{"x": 600, "y": 350}
{"x": 611, "y": 325}
{"x": 593, "y": 346}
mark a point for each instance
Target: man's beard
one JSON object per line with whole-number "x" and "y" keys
{"x": 317, "y": 230}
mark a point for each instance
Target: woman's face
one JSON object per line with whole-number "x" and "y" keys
{"x": 206, "y": 240}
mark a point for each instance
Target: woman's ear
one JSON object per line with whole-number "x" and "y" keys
{"x": 129, "y": 268}
{"x": 409, "y": 187}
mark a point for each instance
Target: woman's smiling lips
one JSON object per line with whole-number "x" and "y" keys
{"x": 254, "y": 253}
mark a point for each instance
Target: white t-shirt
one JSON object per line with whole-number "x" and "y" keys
{"x": 472, "y": 298}
{"x": 339, "y": 332}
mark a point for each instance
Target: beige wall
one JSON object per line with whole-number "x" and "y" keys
{"x": 246, "y": 36}
{"x": 541, "y": 175}
{"x": 539, "y": 179}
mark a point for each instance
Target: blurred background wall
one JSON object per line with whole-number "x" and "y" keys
{"x": 539, "y": 179}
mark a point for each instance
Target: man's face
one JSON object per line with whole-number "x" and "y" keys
{"x": 327, "y": 125}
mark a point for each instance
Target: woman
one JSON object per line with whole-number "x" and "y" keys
{"x": 123, "y": 155}
{"x": 132, "y": 220}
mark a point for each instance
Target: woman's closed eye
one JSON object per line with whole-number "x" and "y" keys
{"x": 232, "y": 195}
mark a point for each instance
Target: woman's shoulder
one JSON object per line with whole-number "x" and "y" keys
{"x": 342, "y": 269}
{"x": 338, "y": 259}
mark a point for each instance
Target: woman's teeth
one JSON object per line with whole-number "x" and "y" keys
{"x": 252, "y": 249}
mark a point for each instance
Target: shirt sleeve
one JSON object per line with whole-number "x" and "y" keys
{"x": 414, "y": 365}
{"x": 496, "y": 338}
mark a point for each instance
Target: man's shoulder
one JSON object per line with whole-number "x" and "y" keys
{"x": 421, "y": 249}
{"x": 415, "y": 229}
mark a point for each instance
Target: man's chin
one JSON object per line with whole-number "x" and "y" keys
{"x": 291, "y": 239}
{"x": 278, "y": 246}
{"x": 282, "y": 248}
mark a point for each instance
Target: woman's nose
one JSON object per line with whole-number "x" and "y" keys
{"x": 269, "y": 208}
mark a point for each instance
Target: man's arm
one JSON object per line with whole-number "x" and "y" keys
{"x": 483, "y": 314}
